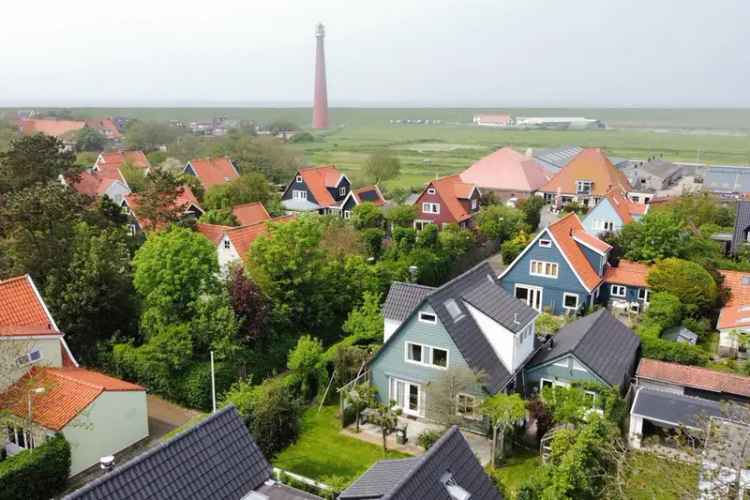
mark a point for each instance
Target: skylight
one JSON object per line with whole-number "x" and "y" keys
{"x": 455, "y": 491}
{"x": 453, "y": 309}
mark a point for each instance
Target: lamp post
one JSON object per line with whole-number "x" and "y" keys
{"x": 29, "y": 438}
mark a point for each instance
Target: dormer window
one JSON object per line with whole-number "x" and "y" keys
{"x": 431, "y": 191}
{"x": 298, "y": 179}
{"x": 584, "y": 187}
{"x": 426, "y": 317}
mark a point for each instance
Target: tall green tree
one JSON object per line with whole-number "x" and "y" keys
{"x": 686, "y": 280}
{"x": 248, "y": 188}
{"x": 148, "y": 135}
{"x": 382, "y": 166}
{"x": 158, "y": 201}
{"x": 503, "y": 411}
{"x": 90, "y": 139}
{"x": 33, "y": 159}
{"x": 499, "y": 222}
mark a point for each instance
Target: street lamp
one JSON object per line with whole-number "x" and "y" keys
{"x": 36, "y": 390}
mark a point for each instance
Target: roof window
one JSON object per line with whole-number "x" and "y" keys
{"x": 455, "y": 491}
{"x": 453, "y": 309}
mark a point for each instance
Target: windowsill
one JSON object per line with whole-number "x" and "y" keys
{"x": 426, "y": 365}
{"x": 542, "y": 276}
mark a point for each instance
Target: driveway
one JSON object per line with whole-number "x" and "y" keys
{"x": 164, "y": 417}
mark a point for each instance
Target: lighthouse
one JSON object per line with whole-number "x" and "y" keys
{"x": 320, "y": 102}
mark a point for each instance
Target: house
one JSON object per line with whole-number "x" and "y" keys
{"x": 94, "y": 184}
{"x": 447, "y": 471}
{"x": 109, "y": 161}
{"x": 320, "y": 189}
{"x": 447, "y": 200}
{"x": 493, "y": 120}
{"x": 597, "y": 348}
{"x": 612, "y": 213}
{"x": 586, "y": 179}
{"x": 508, "y": 174}
{"x": 250, "y": 213}
{"x": 741, "y": 235}
{"x": 233, "y": 243}
{"x": 653, "y": 175}
{"x": 734, "y": 317}
{"x": 62, "y": 129}
{"x": 670, "y": 395}
{"x": 469, "y": 323}
{"x": 212, "y": 171}
{"x": 366, "y": 194}
{"x": 217, "y": 458}
{"x": 560, "y": 270}
{"x": 680, "y": 334}
{"x": 185, "y": 201}
{"x": 98, "y": 415}
{"x": 106, "y": 127}
{"x": 626, "y": 286}
{"x": 727, "y": 182}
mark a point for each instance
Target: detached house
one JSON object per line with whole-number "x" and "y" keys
{"x": 560, "y": 270}
{"x": 250, "y": 213}
{"x": 366, "y": 194}
{"x": 98, "y": 415}
{"x": 447, "y": 200}
{"x": 212, "y": 171}
{"x": 612, "y": 213}
{"x": 586, "y": 179}
{"x": 186, "y": 202}
{"x": 116, "y": 159}
{"x": 95, "y": 185}
{"x": 468, "y": 323}
{"x": 741, "y": 234}
{"x": 626, "y": 286}
{"x": 320, "y": 189}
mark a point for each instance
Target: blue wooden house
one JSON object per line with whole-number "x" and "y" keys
{"x": 626, "y": 284}
{"x": 561, "y": 270}
{"x": 470, "y": 323}
{"x": 612, "y": 213}
{"x": 596, "y": 348}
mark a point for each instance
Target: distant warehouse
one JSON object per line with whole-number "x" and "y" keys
{"x": 559, "y": 122}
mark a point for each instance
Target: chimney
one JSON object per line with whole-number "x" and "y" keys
{"x": 515, "y": 319}
{"x": 107, "y": 463}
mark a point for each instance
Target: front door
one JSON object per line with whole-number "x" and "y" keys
{"x": 530, "y": 295}
{"x": 407, "y": 396}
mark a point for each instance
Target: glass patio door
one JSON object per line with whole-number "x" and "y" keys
{"x": 407, "y": 396}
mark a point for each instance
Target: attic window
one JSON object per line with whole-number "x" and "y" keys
{"x": 298, "y": 179}
{"x": 545, "y": 243}
{"x": 31, "y": 357}
{"x": 226, "y": 244}
{"x": 453, "y": 309}
{"x": 455, "y": 491}
{"x": 583, "y": 187}
{"x": 425, "y": 317}
{"x": 430, "y": 190}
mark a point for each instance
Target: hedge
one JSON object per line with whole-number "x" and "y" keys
{"x": 677, "y": 352}
{"x": 38, "y": 474}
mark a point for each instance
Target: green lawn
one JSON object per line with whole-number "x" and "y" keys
{"x": 322, "y": 451}
{"x": 652, "y": 477}
{"x": 515, "y": 470}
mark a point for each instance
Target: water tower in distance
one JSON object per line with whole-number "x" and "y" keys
{"x": 320, "y": 103}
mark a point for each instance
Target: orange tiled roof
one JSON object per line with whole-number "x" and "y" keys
{"x": 693, "y": 376}
{"x": 562, "y": 230}
{"x": 507, "y": 169}
{"x": 214, "y": 232}
{"x": 68, "y": 391}
{"x": 591, "y": 241}
{"x": 184, "y": 200}
{"x": 318, "y": 179}
{"x": 250, "y": 213}
{"x": 737, "y": 316}
{"x": 628, "y": 273}
{"x": 740, "y": 291}
{"x": 106, "y": 125}
{"x": 93, "y": 183}
{"x": 21, "y": 309}
{"x": 214, "y": 171}
{"x": 624, "y": 207}
{"x": 357, "y": 193}
{"x": 592, "y": 165}
{"x": 452, "y": 189}
{"x": 117, "y": 158}
{"x": 54, "y": 128}
{"x": 243, "y": 237}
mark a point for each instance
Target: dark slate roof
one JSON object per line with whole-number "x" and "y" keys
{"x": 601, "y": 342}
{"x": 403, "y": 298}
{"x": 741, "y": 223}
{"x": 216, "y": 459}
{"x": 674, "y": 408}
{"x": 661, "y": 168}
{"x": 422, "y": 477}
{"x": 676, "y": 333}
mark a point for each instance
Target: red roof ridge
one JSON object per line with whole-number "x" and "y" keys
{"x": 705, "y": 378}
{"x": 69, "y": 373}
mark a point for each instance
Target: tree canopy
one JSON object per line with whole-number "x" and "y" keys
{"x": 382, "y": 166}
{"x": 686, "y": 280}
{"x": 33, "y": 159}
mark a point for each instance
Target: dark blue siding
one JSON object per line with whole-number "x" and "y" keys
{"x": 631, "y": 293}
{"x": 298, "y": 186}
{"x": 596, "y": 260}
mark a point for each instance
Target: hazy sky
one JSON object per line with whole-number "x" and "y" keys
{"x": 494, "y": 52}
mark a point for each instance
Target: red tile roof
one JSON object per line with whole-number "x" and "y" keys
{"x": 54, "y": 128}
{"x": 592, "y": 165}
{"x": 106, "y": 126}
{"x": 117, "y": 158}
{"x": 250, "y": 213}
{"x": 214, "y": 232}
{"x": 318, "y": 179}
{"x": 591, "y": 241}
{"x": 737, "y": 316}
{"x": 625, "y": 207}
{"x": 740, "y": 291}
{"x": 22, "y": 310}
{"x": 562, "y": 231}
{"x": 93, "y": 183}
{"x": 627, "y": 273}
{"x": 214, "y": 171}
{"x": 693, "y": 376}
{"x": 243, "y": 237}
{"x": 370, "y": 192}
{"x": 184, "y": 200}
{"x": 507, "y": 170}
{"x": 452, "y": 189}
{"x": 68, "y": 391}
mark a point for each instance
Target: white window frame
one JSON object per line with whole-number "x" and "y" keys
{"x": 584, "y": 182}
{"x": 427, "y": 355}
{"x": 644, "y": 294}
{"x": 393, "y": 395}
{"x": 614, "y": 287}
{"x": 299, "y": 194}
{"x": 568, "y": 294}
{"x": 545, "y": 243}
{"x": 529, "y": 289}
{"x": 347, "y": 214}
{"x": 474, "y": 406}
{"x": 432, "y": 321}
{"x": 554, "y": 382}
{"x": 431, "y": 191}
{"x": 342, "y": 191}
{"x": 298, "y": 179}
{"x": 430, "y": 208}
{"x": 25, "y": 359}
{"x": 474, "y": 204}
{"x": 544, "y": 264}
{"x": 227, "y": 244}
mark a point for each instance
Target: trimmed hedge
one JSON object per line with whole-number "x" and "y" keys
{"x": 676, "y": 352}
{"x": 36, "y": 475}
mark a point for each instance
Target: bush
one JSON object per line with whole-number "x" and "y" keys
{"x": 676, "y": 352}
{"x": 665, "y": 309}
{"x": 40, "y": 474}
{"x": 688, "y": 281}
{"x": 192, "y": 387}
{"x": 512, "y": 248}
{"x": 426, "y": 439}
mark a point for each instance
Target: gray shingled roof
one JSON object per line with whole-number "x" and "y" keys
{"x": 216, "y": 459}
{"x": 727, "y": 179}
{"x": 679, "y": 332}
{"x": 741, "y": 223}
{"x": 422, "y": 477}
{"x": 601, "y": 342}
{"x": 674, "y": 408}
{"x": 403, "y": 298}
{"x": 557, "y": 158}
